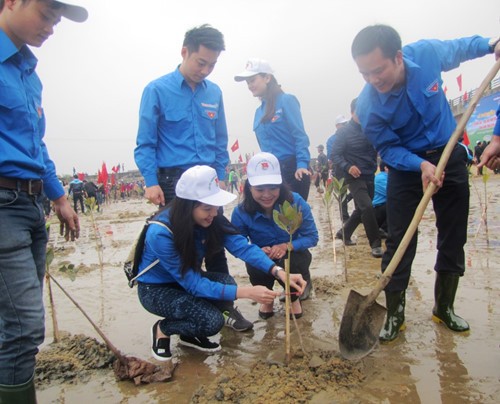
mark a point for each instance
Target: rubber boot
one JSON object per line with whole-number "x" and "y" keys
{"x": 395, "y": 321}
{"x": 445, "y": 289}
{"x": 18, "y": 394}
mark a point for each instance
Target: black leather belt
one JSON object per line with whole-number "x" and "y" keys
{"x": 171, "y": 172}
{"x": 32, "y": 187}
{"x": 428, "y": 153}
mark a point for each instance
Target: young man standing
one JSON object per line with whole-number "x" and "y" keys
{"x": 25, "y": 171}
{"x": 405, "y": 115}
{"x": 182, "y": 124}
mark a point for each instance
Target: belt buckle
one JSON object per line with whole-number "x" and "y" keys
{"x": 31, "y": 185}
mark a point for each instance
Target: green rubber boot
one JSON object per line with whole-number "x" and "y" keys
{"x": 18, "y": 394}
{"x": 444, "y": 294}
{"x": 395, "y": 321}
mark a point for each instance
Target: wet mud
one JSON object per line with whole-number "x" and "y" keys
{"x": 428, "y": 363}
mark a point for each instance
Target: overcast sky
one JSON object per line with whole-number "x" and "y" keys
{"x": 94, "y": 73}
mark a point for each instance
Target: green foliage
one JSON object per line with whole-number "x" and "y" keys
{"x": 486, "y": 177}
{"x": 288, "y": 217}
{"x": 337, "y": 189}
{"x": 49, "y": 257}
{"x": 91, "y": 204}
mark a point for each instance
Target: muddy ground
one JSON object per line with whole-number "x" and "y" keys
{"x": 428, "y": 364}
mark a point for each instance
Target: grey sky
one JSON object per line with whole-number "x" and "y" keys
{"x": 94, "y": 73}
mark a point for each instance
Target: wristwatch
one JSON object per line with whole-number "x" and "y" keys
{"x": 493, "y": 42}
{"x": 276, "y": 270}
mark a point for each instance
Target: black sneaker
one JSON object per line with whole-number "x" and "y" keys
{"x": 235, "y": 320}
{"x": 160, "y": 347}
{"x": 200, "y": 343}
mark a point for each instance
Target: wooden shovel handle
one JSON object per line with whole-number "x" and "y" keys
{"x": 412, "y": 228}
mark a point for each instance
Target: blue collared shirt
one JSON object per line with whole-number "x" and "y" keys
{"x": 496, "y": 129}
{"x": 23, "y": 154}
{"x": 416, "y": 117}
{"x": 264, "y": 232}
{"x": 181, "y": 128}
{"x": 159, "y": 244}
{"x": 284, "y": 136}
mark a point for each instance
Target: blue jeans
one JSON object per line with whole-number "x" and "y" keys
{"x": 183, "y": 313}
{"x": 23, "y": 241}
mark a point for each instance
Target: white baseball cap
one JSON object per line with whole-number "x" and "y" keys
{"x": 200, "y": 183}
{"x": 341, "y": 119}
{"x": 264, "y": 169}
{"x": 253, "y": 67}
{"x": 72, "y": 11}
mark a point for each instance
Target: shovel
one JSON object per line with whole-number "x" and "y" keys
{"x": 363, "y": 317}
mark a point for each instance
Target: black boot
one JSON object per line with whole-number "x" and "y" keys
{"x": 444, "y": 295}
{"x": 395, "y": 321}
{"x": 18, "y": 394}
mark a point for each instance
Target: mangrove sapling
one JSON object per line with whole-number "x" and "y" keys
{"x": 289, "y": 218}
{"x": 49, "y": 257}
{"x": 327, "y": 198}
{"x": 339, "y": 190}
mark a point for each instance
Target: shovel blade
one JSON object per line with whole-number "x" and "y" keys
{"x": 360, "y": 326}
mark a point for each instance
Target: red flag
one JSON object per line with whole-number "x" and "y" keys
{"x": 99, "y": 176}
{"x": 104, "y": 174}
{"x": 466, "y": 140}
{"x": 81, "y": 176}
{"x": 466, "y": 96}
{"x": 235, "y": 146}
{"x": 240, "y": 159}
{"x": 459, "y": 81}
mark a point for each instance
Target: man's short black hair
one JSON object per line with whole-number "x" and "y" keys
{"x": 205, "y": 35}
{"x": 376, "y": 36}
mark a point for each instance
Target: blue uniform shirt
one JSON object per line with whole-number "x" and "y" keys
{"x": 284, "y": 135}
{"x": 159, "y": 244}
{"x": 23, "y": 153}
{"x": 380, "y": 195}
{"x": 264, "y": 232}
{"x": 496, "y": 129}
{"x": 181, "y": 128}
{"x": 416, "y": 117}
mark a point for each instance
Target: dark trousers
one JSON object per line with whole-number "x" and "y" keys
{"x": 78, "y": 197}
{"x": 362, "y": 192}
{"x": 381, "y": 216}
{"x": 167, "y": 179}
{"x": 451, "y": 206}
{"x": 288, "y": 168}
{"x": 299, "y": 264}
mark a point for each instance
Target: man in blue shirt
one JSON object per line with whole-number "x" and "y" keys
{"x": 491, "y": 155}
{"x": 405, "y": 114}
{"x": 182, "y": 124}
{"x": 26, "y": 173}
{"x": 181, "y": 119}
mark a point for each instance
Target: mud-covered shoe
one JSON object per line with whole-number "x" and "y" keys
{"x": 160, "y": 347}
{"x": 395, "y": 321}
{"x": 200, "y": 343}
{"x": 235, "y": 320}
{"x": 444, "y": 293}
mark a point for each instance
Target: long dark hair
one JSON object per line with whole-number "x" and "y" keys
{"x": 183, "y": 225}
{"x": 272, "y": 92}
{"x": 251, "y": 206}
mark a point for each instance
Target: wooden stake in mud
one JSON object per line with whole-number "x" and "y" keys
{"x": 363, "y": 317}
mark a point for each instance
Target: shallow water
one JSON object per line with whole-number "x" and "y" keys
{"x": 427, "y": 364}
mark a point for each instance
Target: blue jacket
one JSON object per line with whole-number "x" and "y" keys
{"x": 181, "y": 128}
{"x": 416, "y": 117}
{"x": 23, "y": 153}
{"x": 264, "y": 232}
{"x": 284, "y": 136}
{"x": 159, "y": 244}
{"x": 496, "y": 129}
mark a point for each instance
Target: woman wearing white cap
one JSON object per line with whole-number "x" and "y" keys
{"x": 262, "y": 193}
{"x": 190, "y": 300}
{"x": 278, "y": 125}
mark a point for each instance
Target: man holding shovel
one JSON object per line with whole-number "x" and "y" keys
{"x": 404, "y": 113}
